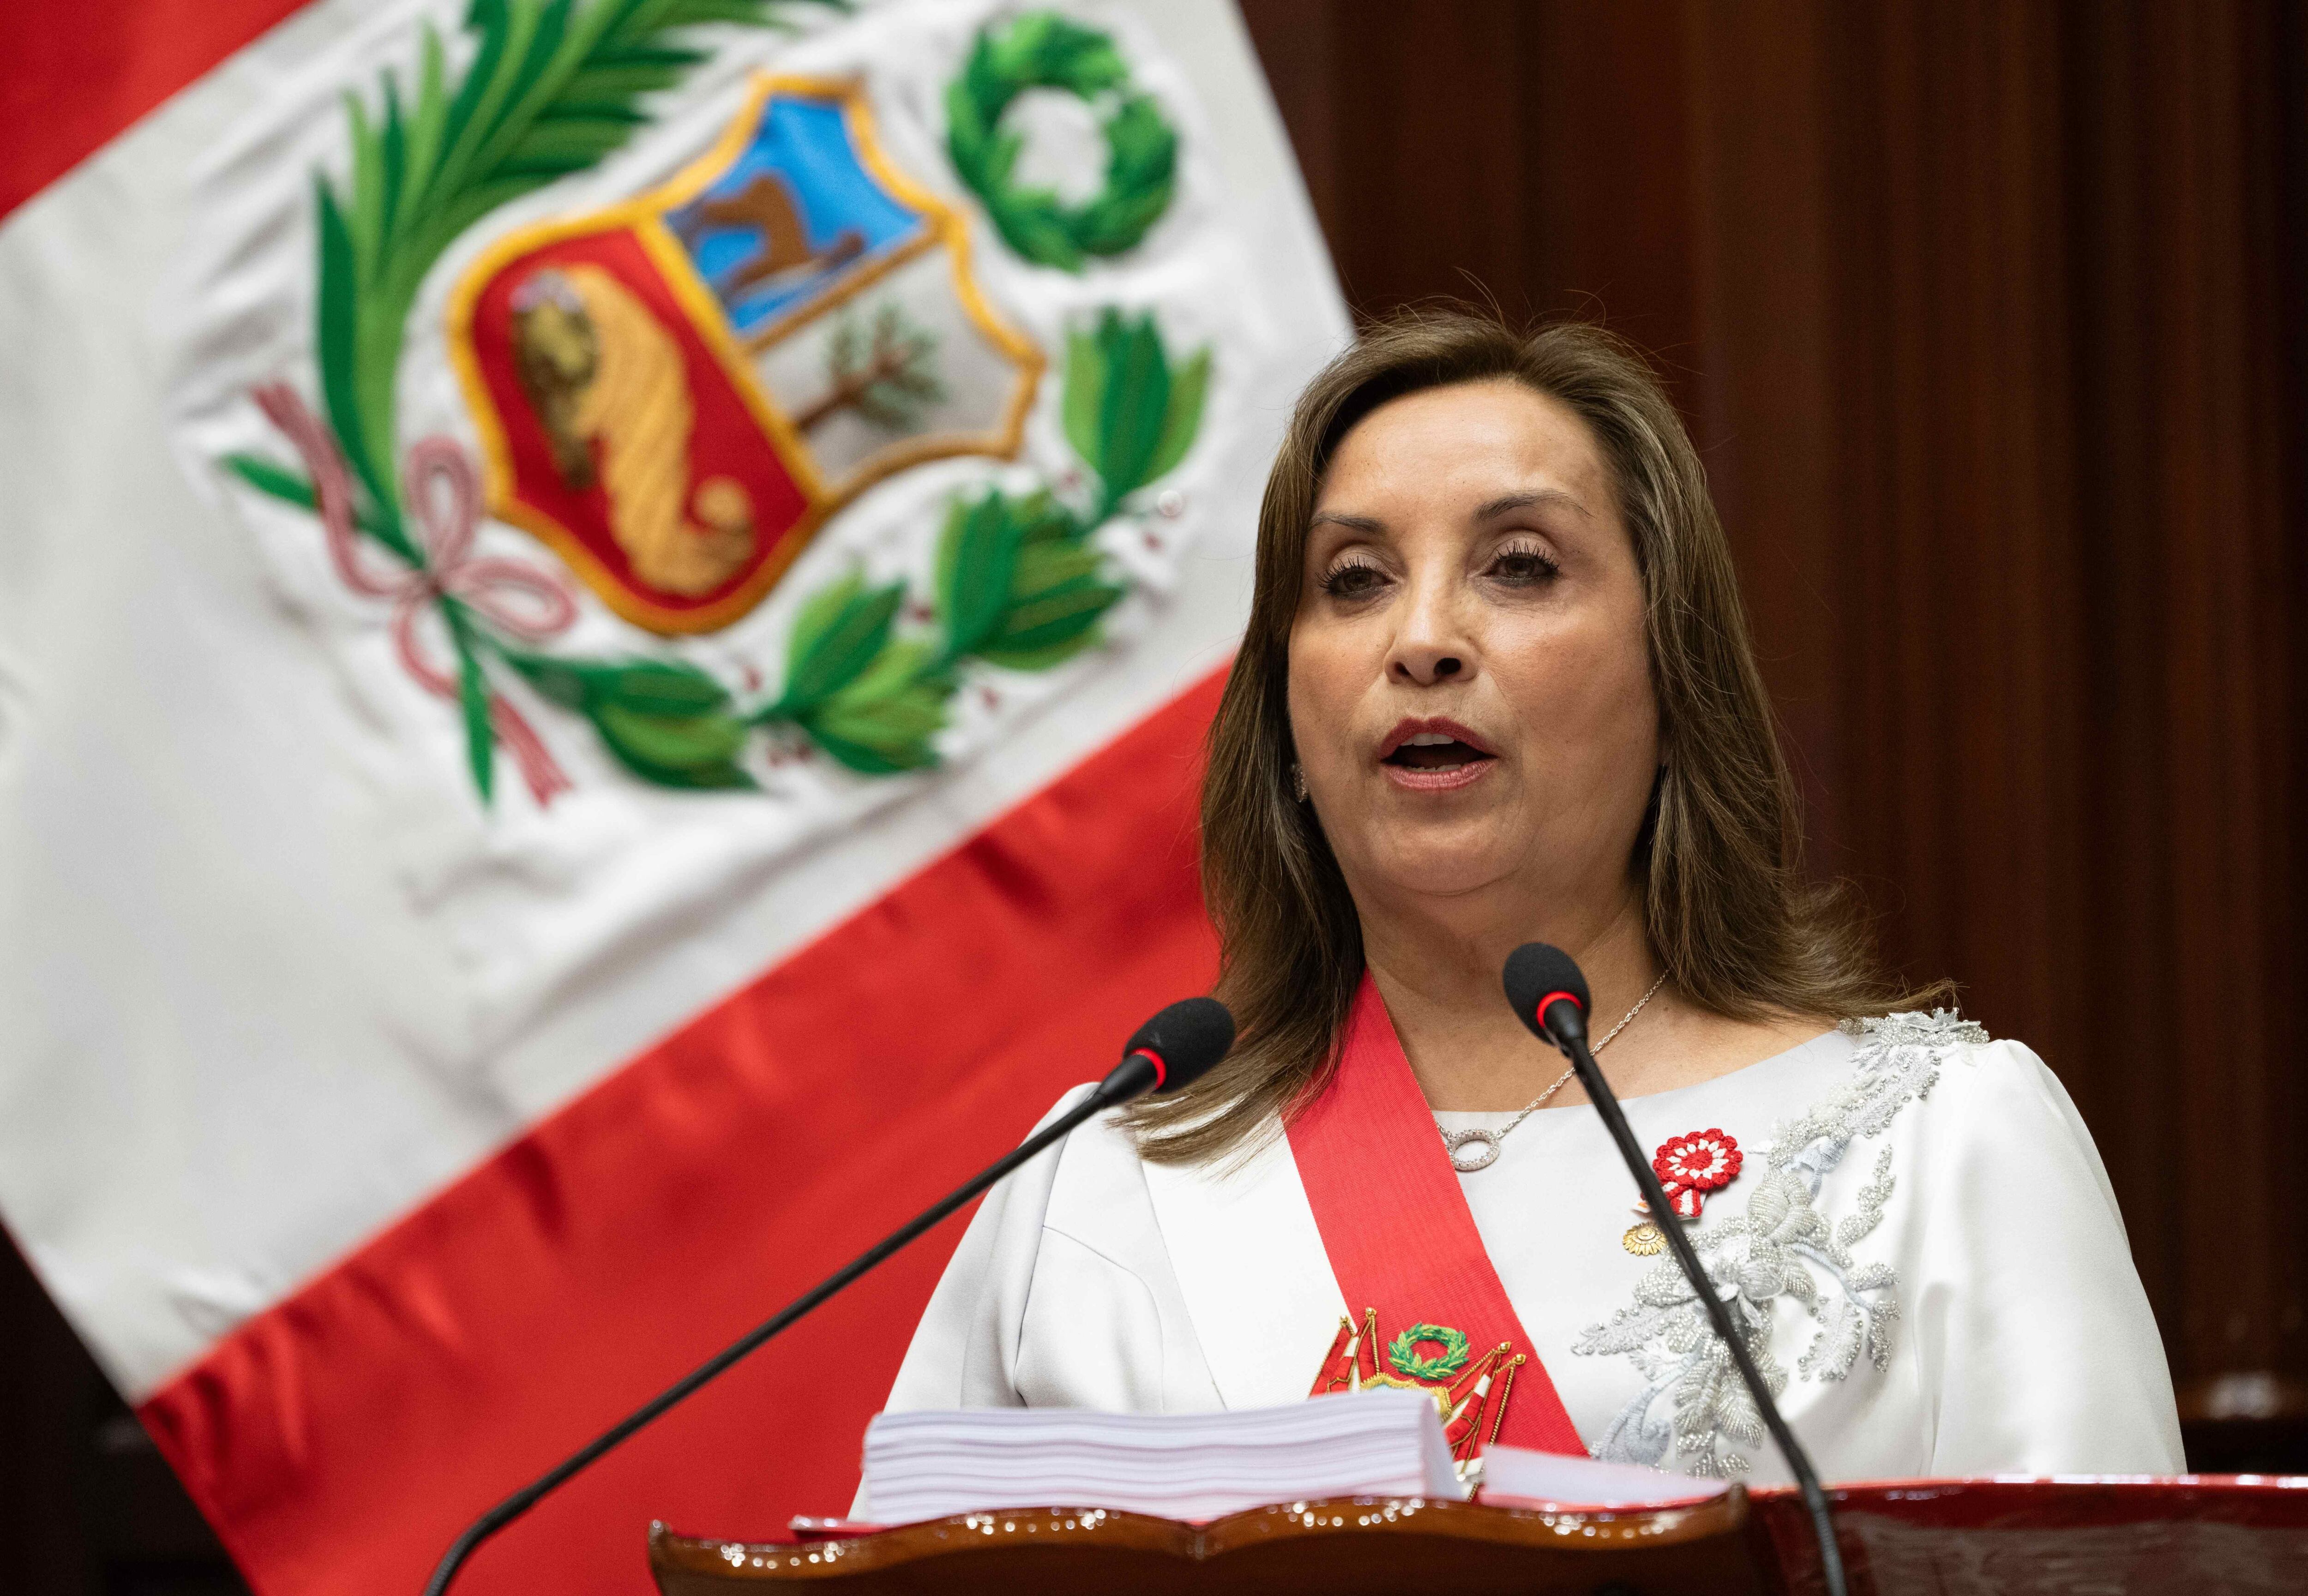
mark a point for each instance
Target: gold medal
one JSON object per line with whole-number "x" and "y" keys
{"x": 1643, "y": 1238}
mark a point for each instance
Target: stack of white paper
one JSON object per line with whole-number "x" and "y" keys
{"x": 1516, "y": 1477}
{"x": 925, "y": 1465}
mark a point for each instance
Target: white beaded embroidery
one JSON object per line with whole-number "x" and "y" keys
{"x": 1782, "y": 1244}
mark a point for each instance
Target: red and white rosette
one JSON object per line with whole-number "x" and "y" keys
{"x": 1690, "y": 1166}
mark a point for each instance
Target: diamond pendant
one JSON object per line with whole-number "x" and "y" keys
{"x": 1487, "y": 1152}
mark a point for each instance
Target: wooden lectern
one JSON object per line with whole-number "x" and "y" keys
{"x": 2238, "y": 1536}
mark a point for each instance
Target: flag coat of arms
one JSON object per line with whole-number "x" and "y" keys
{"x": 609, "y": 609}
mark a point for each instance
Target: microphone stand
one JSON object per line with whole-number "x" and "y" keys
{"x": 1573, "y": 1039}
{"x": 1132, "y": 1077}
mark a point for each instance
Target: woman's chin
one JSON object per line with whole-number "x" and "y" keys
{"x": 1434, "y": 861}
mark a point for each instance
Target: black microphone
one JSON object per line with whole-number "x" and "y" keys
{"x": 1549, "y": 995}
{"x": 1176, "y": 1047}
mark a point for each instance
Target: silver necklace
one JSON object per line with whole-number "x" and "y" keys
{"x": 1487, "y": 1142}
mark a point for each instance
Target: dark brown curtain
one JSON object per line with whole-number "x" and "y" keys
{"x": 1989, "y": 319}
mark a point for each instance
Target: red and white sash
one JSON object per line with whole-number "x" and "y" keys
{"x": 1396, "y": 1225}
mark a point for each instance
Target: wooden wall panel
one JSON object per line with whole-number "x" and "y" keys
{"x": 1760, "y": 208}
{"x": 1989, "y": 321}
{"x": 1448, "y": 161}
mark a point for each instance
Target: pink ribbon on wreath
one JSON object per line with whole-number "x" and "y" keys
{"x": 442, "y": 498}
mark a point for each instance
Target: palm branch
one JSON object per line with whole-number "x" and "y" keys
{"x": 553, "y": 87}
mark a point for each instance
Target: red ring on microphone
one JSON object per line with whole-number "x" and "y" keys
{"x": 1161, "y": 1071}
{"x": 1548, "y": 1002}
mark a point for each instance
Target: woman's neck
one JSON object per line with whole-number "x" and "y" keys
{"x": 1438, "y": 969}
{"x": 1439, "y": 974}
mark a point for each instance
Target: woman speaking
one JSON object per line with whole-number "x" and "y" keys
{"x": 1497, "y": 688}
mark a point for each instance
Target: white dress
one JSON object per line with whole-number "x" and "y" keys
{"x": 1921, "y": 1239}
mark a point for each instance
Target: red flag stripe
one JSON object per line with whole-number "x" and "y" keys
{"x": 340, "y": 1439}
{"x": 74, "y": 78}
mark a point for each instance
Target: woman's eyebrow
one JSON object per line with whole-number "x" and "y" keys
{"x": 1339, "y": 518}
{"x": 1514, "y": 502}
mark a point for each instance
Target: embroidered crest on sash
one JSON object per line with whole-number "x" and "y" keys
{"x": 1470, "y": 1391}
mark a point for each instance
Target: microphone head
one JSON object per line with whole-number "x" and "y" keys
{"x": 1186, "y": 1040}
{"x": 1537, "y": 973}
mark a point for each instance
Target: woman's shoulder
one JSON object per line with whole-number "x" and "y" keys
{"x": 1937, "y": 1055}
{"x": 1095, "y": 1179}
{"x": 1913, "y": 1069}
{"x": 1991, "y": 1104}
{"x": 1079, "y": 1177}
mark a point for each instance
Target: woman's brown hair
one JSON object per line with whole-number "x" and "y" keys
{"x": 1731, "y": 916}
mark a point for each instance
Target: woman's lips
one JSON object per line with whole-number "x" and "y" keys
{"x": 1429, "y": 726}
{"x": 1434, "y": 755}
{"x": 1438, "y": 778}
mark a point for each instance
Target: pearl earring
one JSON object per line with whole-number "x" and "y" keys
{"x": 1298, "y": 781}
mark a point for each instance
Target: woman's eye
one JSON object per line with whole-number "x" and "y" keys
{"x": 1523, "y": 567}
{"x": 1352, "y": 581}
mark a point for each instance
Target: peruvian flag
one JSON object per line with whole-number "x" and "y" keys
{"x": 607, "y": 609}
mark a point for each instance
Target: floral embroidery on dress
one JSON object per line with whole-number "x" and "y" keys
{"x": 1783, "y": 1244}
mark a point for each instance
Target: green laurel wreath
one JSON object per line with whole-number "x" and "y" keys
{"x": 1017, "y": 583}
{"x": 1409, "y": 1363}
{"x": 553, "y": 88}
{"x": 1043, "y": 50}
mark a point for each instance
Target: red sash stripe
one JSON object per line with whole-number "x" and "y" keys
{"x": 1396, "y": 1225}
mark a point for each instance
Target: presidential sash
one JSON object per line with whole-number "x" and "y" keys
{"x": 1408, "y": 1257}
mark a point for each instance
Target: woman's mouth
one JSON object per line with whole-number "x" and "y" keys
{"x": 1431, "y": 756}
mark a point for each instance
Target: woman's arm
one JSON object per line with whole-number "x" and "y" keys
{"x": 964, "y": 1352}
{"x": 2029, "y": 1319}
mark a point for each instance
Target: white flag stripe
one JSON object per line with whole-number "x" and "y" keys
{"x": 273, "y": 976}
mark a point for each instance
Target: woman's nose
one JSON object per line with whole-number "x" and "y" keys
{"x": 1425, "y": 666}
{"x": 1431, "y": 646}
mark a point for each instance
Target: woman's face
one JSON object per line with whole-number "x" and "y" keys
{"x": 1470, "y": 695}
